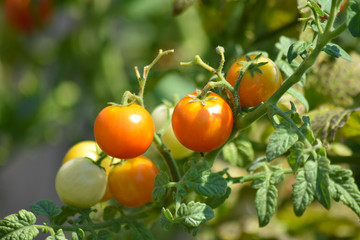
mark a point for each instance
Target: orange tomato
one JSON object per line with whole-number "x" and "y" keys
{"x": 132, "y": 181}
{"x": 124, "y": 131}
{"x": 202, "y": 126}
{"x": 256, "y": 89}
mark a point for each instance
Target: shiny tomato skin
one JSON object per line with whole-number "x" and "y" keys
{"x": 257, "y": 89}
{"x": 124, "y": 131}
{"x": 80, "y": 183}
{"x": 26, "y": 15}
{"x": 132, "y": 181}
{"x": 199, "y": 127}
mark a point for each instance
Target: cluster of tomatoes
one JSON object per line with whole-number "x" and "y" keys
{"x": 123, "y": 133}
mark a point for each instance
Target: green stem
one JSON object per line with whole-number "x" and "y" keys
{"x": 142, "y": 80}
{"x": 251, "y": 177}
{"x": 169, "y": 160}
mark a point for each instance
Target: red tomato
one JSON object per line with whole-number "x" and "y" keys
{"x": 132, "y": 182}
{"x": 202, "y": 127}
{"x": 124, "y": 131}
{"x": 26, "y": 15}
{"x": 257, "y": 89}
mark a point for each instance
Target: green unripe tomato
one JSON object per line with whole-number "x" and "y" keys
{"x": 80, "y": 183}
{"x": 162, "y": 119}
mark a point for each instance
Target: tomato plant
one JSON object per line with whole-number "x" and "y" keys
{"x": 213, "y": 121}
{"x": 80, "y": 182}
{"x": 162, "y": 115}
{"x": 26, "y": 15}
{"x": 132, "y": 181}
{"x": 258, "y": 85}
{"x": 202, "y": 125}
{"x": 124, "y": 131}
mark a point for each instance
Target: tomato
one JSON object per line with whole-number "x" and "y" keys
{"x": 132, "y": 181}
{"x": 80, "y": 183}
{"x": 257, "y": 89}
{"x": 202, "y": 127}
{"x": 26, "y": 15}
{"x": 342, "y": 6}
{"x": 91, "y": 150}
{"x": 162, "y": 116}
{"x": 82, "y": 149}
{"x": 124, "y": 131}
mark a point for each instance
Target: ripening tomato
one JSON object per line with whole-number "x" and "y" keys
{"x": 202, "y": 127}
{"x": 257, "y": 89}
{"x": 26, "y": 15}
{"x": 162, "y": 119}
{"x": 132, "y": 181}
{"x": 80, "y": 183}
{"x": 124, "y": 131}
{"x": 91, "y": 150}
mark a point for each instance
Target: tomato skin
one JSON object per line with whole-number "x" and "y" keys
{"x": 90, "y": 149}
{"x": 257, "y": 89}
{"x": 26, "y": 15}
{"x": 80, "y": 183}
{"x": 124, "y": 131}
{"x": 132, "y": 182}
{"x": 199, "y": 127}
{"x": 161, "y": 114}
{"x": 82, "y": 149}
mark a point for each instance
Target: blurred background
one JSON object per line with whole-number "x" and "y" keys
{"x": 61, "y": 66}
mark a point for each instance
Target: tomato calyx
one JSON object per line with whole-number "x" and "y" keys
{"x": 201, "y": 96}
{"x": 251, "y": 65}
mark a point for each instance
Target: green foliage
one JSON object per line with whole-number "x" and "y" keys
{"x": 353, "y": 18}
{"x": 193, "y": 196}
{"x": 19, "y": 226}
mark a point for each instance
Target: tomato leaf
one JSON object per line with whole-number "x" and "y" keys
{"x": 265, "y": 202}
{"x": 193, "y": 214}
{"x": 296, "y": 49}
{"x": 139, "y": 231}
{"x": 353, "y": 18}
{"x": 306, "y": 129}
{"x": 343, "y": 188}
{"x": 336, "y": 51}
{"x": 327, "y": 120}
{"x": 216, "y": 201}
{"x": 317, "y": 8}
{"x": 296, "y": 156}
{"x": 317, "y": 173}
{"x": 204, "y": 182}
{"x": 299, "y": 96}
{"x": 239, "y": 152}
{"x": 302, "y": 194}
{"x": 59, "y": 236}
{"x": 166, "y": 218}
{"x": 280, "y": 141}
{"x": 19, "y": 226}
{"x": 161, "y": 186}
{"x": 45, "y": 208}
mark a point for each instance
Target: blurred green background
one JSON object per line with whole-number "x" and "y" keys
{"x": 54, "y": 81}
